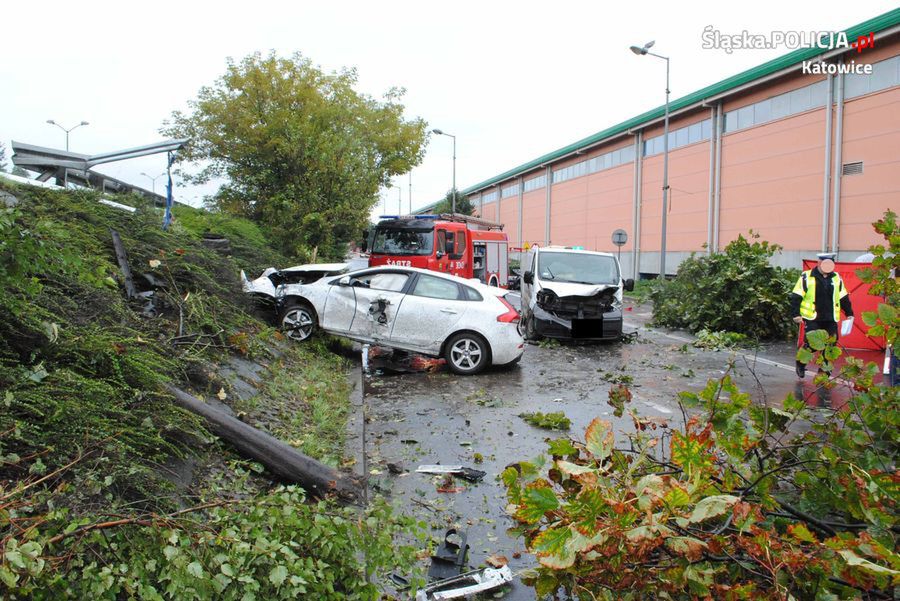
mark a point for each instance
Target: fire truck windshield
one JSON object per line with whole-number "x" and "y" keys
{"x": 403, "y": 241}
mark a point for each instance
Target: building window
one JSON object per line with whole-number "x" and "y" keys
{"x": 509, "y": 190}
{"x": 678, "y": 138}
{"x": 535, "y": 183}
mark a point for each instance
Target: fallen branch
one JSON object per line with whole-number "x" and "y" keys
{"x": 281, "y": 459}
{"x": 141, "y": 520}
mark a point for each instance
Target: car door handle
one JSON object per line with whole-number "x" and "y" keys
{"x": 449, "y": 311}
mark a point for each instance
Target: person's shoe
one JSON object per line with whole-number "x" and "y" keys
{"x": 801, "y": 370}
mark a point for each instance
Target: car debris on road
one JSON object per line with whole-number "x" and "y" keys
{"x": 470, "y": 583}
{"x": 466, "y": 473}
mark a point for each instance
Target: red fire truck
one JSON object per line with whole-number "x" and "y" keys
{"x": 462, "y": 245}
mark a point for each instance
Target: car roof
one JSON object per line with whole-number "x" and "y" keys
{"x": 472, "y": 283}
{"x": 318, "y": 267}
{"x": 581, "y": 251}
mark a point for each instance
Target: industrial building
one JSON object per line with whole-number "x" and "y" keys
{"x": 803, "y": 150}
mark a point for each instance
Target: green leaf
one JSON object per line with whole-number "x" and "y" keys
{"x": 552, "y": 549}
{"x": 648, "y": 489}
{"x": 817, "y": 339}
{"x": 561, "y": 447}
{"x": 710, "y": 507}
{"x": 599, "y": 438}
{"x": 195, "y": 569}
{"x": 573, "y": 469}
{"x": 887, "y": 313}
{"x": 804, "y": 355}
{"x": 227, "y": 569}
{"x": 15, "y": 558}
{"x": 538, "y": 499}
{"x": 686, "y": 546}
{"x": 855, "y": 560}
{"x": 676, "y": 497}
{"x": 278, "y": 575}
{"x": 870, "y": 318}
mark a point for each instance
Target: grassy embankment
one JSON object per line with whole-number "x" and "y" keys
{"x": 87, "y": 437}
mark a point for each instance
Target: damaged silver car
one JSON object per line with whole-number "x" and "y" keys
{"x": 572, "y": 294}
{"x": 263, "y": 289}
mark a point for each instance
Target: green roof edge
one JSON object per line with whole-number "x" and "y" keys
{"x": 875, "y": 24}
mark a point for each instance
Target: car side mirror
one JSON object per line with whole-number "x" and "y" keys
{"x": 344, "y": 281}
{"x": 629, "y": 284}
{"x": 528, "y": 277}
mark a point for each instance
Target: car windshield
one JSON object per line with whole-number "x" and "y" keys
{"x": 578, "y": 268}
{"x": 403, "y": 241}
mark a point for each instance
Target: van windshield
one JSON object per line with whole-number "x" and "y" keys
{"x": 577, "y": 268}
{"x": 403, "y": 241}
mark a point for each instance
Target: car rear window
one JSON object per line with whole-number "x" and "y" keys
{"x": 433, "y": 287}
{"x": 472, "y": 294}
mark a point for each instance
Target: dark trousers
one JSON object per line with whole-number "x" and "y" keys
{"x": 810, "y": 325}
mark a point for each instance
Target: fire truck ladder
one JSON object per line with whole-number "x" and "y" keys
{"x": 491, "y": 225}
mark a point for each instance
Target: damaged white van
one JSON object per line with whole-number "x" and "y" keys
{"x": 572, "y": 294}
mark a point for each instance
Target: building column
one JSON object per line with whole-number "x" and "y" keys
{"x": 636, "y": 206}
{"x": 829, "y": 103}
{"x": 712, "y": 180}
{"x": 521, "y": 195}
{"x": 549, "y": 173}
{"x": 717, "y": 194}
{"x": 837, "y": 172}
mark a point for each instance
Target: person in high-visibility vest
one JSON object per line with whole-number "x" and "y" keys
{"x": 817, "y": 301}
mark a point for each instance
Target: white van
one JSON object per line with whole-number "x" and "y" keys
{"x": 572, "y": 294}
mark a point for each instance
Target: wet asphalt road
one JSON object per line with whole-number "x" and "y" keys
{"x": 440, "y": 418}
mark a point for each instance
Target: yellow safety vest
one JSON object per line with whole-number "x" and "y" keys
{"x": 806, "y": 288}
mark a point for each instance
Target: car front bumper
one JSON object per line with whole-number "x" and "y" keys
{"x": 550, "y": 326}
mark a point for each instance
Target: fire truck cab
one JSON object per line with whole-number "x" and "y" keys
{"x": 462, "y": 245}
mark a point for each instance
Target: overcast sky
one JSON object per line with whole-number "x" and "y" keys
{"x": 512, "y": 80}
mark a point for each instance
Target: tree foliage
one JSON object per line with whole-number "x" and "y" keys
{"x": 737, "y": 290}
{"x": 293, "y": 141}
{"x": 741, "y": 501}
{"x": 2, "y": 156}
{"x": 464, "y": 205}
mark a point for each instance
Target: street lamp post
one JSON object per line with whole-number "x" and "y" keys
{"x": 645, "y": 49}
{"x": 67, "y": 130}
{"x": 153, "y": 179}
{"x": 399, "y": 200}
{"x": 453, "y": 190}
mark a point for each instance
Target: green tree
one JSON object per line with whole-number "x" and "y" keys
{"x": 294, "y": 141}
{"x": 2, "y": 156}
{"x": 464, "y": 205}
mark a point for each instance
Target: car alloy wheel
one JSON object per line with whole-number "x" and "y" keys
{"x": 467, "y": 353}
{"x": 298, "y": 322}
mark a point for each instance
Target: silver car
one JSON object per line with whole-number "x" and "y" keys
{"x": 468, "y": 323}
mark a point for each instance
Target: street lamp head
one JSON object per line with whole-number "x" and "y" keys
{"x": 437, "y": 131}
{"x": 644, "y": 49}
{"x": 51, "y": 121}
{"x": 84, "y": 123}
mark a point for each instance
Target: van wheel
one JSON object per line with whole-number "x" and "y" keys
{"x": 298, "y": 321}
{"x": 531, "y": 330}
{"x": 467, "y": 353}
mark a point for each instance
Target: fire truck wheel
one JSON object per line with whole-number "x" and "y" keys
{"x": 494, "y": 281}
{"x": 467, "y": 353}
{"x": 298, "y": 321}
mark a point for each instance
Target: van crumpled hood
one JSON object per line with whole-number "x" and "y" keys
{"x": 570, "y": 289}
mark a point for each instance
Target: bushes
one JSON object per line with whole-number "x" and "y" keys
{"x": 742, "y": 501}
{"x": 734, "y": 291}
